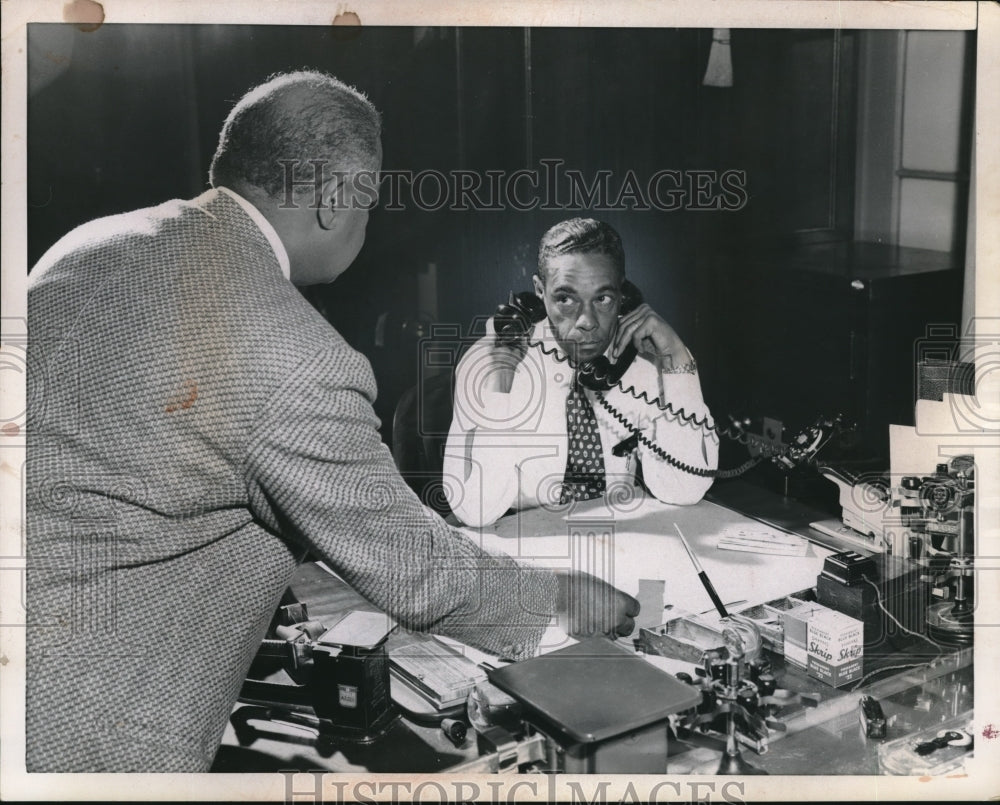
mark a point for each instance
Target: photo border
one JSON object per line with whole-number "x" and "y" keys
{"x": 15, "y": 784}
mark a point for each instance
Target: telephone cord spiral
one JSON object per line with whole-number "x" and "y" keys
{"x": 767, "y": 449}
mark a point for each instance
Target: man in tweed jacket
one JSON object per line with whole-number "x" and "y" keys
{"x": 196, "y": 428}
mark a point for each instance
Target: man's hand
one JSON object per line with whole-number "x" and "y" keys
{"x": 503, "y": 362}
{"x": 587, "y": 606}
{"x": 652, "y": 337}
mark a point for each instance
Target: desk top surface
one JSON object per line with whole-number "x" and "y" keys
{"x": 636, "y": 539}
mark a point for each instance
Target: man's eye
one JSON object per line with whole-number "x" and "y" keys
{"x": 605, "y": 300}
{"x": 563, "y": 300}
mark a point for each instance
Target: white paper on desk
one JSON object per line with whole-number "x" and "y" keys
{"x": 638, "y": 541}
{"x": 761, "y": 538}
{"x": 763, "y": 547}
{"x": 650, "y": 597}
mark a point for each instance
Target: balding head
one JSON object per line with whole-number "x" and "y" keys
{"x": 295, "y": 118}
{"x": 298, "y": 148}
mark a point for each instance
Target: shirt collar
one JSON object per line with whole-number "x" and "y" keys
{"x": 266, "y": 229}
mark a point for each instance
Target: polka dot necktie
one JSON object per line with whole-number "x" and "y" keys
{"x": 584, "y": 476}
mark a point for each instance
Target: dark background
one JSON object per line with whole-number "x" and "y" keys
{"x": 128, "y": 116}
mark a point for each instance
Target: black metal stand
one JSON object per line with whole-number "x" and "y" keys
{"x": 732, "y": 762}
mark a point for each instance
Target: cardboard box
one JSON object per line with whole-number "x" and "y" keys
{"x": 835, "y": 647}
{"x": 796, "y": 624}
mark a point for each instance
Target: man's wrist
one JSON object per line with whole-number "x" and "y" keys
{"x": 678, "y": 362}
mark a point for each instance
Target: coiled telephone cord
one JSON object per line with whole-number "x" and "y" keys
{"x": 659, "y": 451}
{"x": 767, "y": 449}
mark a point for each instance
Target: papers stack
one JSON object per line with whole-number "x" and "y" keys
{"x": 760, "y": 538}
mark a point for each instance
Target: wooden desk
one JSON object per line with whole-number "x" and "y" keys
{"x": 632, "y": 541}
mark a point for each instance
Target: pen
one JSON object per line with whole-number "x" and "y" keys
{"x": 701, "y": 575}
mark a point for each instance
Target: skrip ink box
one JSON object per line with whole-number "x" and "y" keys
{"x": 796, "y": 625}
{"x": 835, "y": 646}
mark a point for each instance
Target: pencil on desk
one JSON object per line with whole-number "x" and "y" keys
{"x": 701, "y": 575}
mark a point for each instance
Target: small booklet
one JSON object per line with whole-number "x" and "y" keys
{"x": 762, "y": 539}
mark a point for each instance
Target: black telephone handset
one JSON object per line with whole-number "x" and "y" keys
{"x": 513, "y": 321}
{"x": 600, "y": 374}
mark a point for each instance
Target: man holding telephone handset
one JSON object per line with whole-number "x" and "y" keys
{"x": 573, "y": 389}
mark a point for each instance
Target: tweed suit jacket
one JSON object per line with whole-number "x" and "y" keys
{"x": 195, "y": 427}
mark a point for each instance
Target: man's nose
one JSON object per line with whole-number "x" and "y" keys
{"x": 586, "y": 321}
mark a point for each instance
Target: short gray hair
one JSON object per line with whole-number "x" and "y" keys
{"x": 300, "y": 116}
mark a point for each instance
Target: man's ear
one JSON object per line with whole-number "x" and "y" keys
{"x": 330, "y": 203}
{"x": 539, "y": 286}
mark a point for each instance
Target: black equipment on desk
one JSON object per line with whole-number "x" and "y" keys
{"x": 340, "y": 681}
{"x": 946, "y": 526}
{"x": 741, "y": 701}
{"x": 352, "y": 680}
{"x": 849, "y": 567}
{"x": 860, "y": 587}
{"x": 871, "y": 717}
{"x": 605, "y": 708}
{"x": 593, "y": 707}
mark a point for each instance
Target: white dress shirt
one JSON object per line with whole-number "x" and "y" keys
{"x": 508, "y": 450}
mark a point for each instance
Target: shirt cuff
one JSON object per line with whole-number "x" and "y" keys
{"x": 554, "y": 637}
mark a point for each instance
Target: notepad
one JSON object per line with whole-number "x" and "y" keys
{"x": 650, "y": 597}
{"x": 760, "y": 538}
